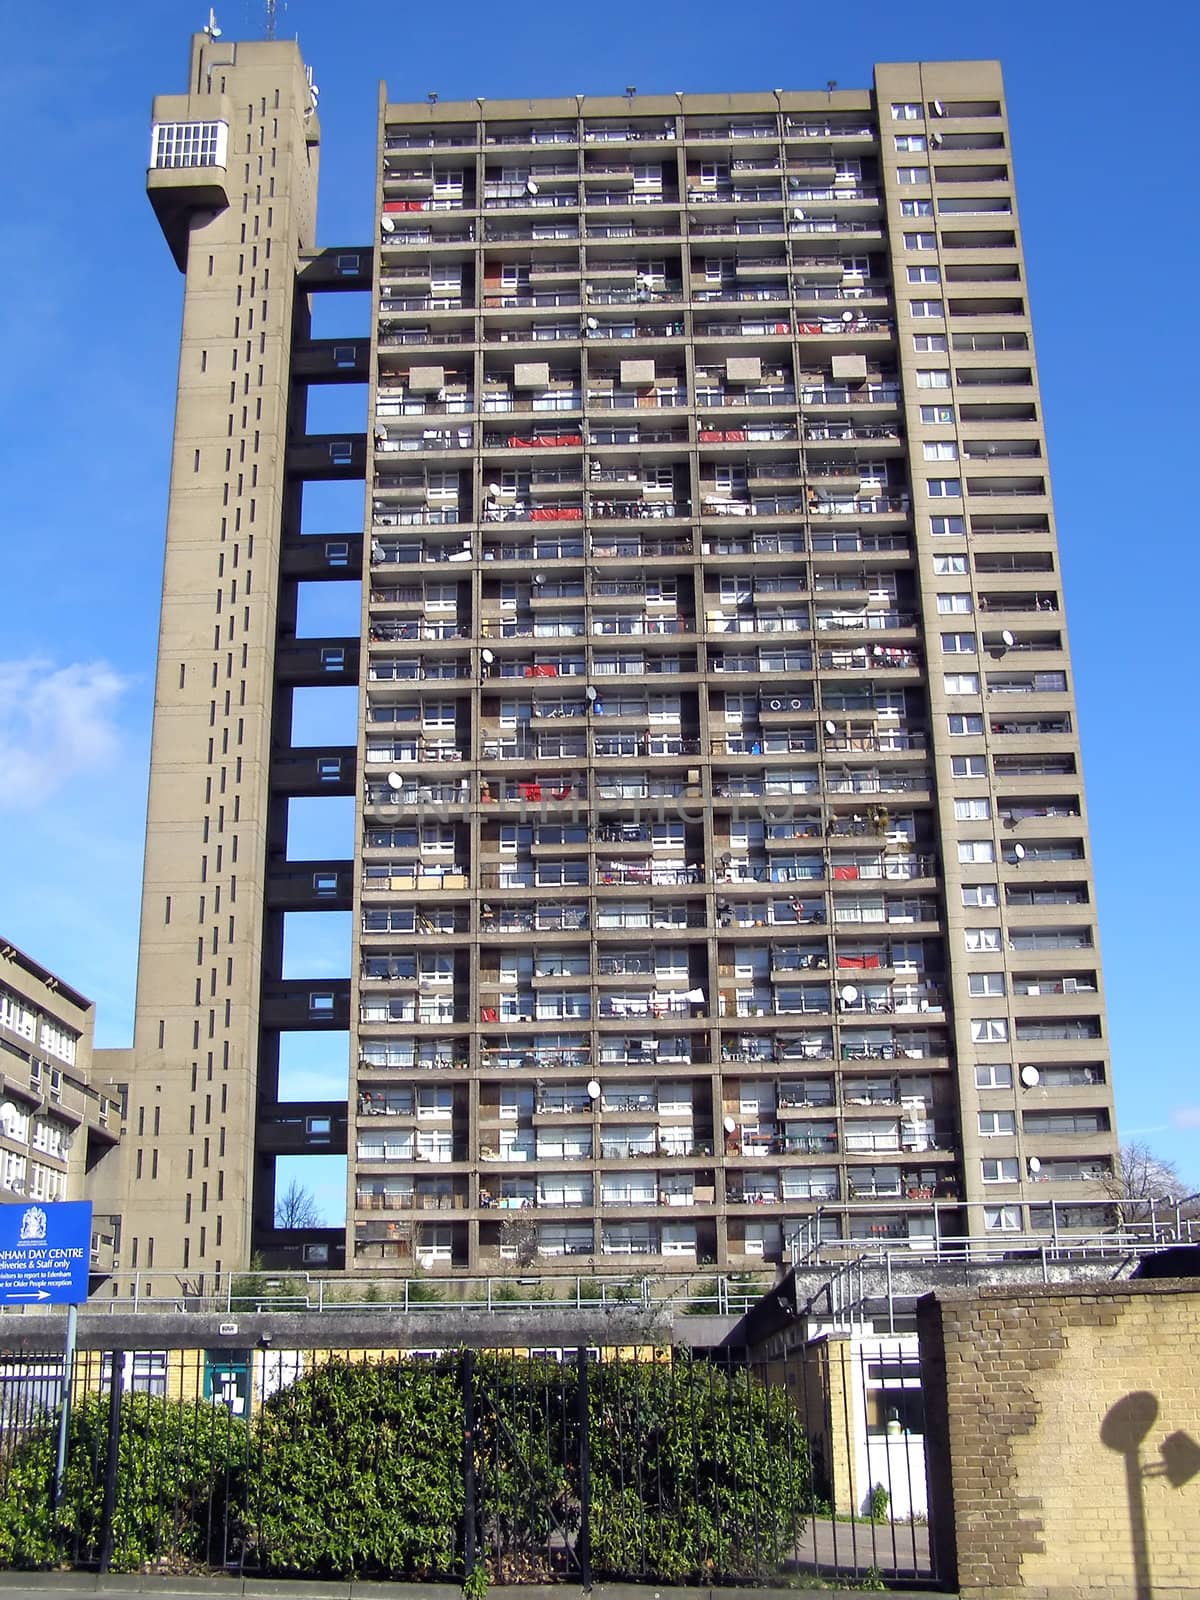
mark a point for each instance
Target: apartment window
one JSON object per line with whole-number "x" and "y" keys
{"x": 911, "y": 144}
{"x": 994, "y": 1075}
{"x": 967, "y": 766}
{"x": 927, "y": 308}
{"x": 996, "y": 1124}
{"x": 930, "y": 344}
{"x": 1005, "y": 1171}
{"x": 952, "y": 604}
{"x": 1002, "y": 1219}
{"x": 985, "y": 985}
{"x": 1065, "y": 1123}
{"x": 958, "y": 644}
{"x": 920, "y": 241}
{"x": 916, "y": 208}
{"x": 950, "y": 566}
{"x": 944, "y": 488}
{"x": 980, "y": 894}
{"x": 937, "y": 414}
{"x": 941, "y": 450}
{"x": 58, "y": 1041}
{"x": 188, "y": 144}
{"x": 933, "y": 378}
{"x": 989, "y": 1030}
{"x": 961, "y": 682}
{"x": 924, "y": 274}
{"x": 47, "y": 1184}
{"x": 976, "y": 852}
{"x": 910, "y": 175}
{"x": 13, "y": 1168}
{"x": 947, "y": 527}
{"x": 906, "y": 111}
{"x": 16, "y": 1015}
{"x": 14, "y": 1122}
{"x": 975, "y": 809}
{"x": 981, "y": 940}
{"x": 960, "y": 723}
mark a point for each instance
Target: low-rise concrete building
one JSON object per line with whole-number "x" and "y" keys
{"x": 56, "y": 1122}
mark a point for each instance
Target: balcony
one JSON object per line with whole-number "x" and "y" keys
{"x": 636, "y": 509}
{"x": 523, "y": 512}
{"x": 551, "y": 917}
{"x": 414, "y": 792}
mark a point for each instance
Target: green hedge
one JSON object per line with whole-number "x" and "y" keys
{"x": 357, "y": 1470}
{"x": 180, "y": 1467}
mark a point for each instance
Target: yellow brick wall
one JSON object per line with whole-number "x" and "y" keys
{"x": 1064, "y": 1428}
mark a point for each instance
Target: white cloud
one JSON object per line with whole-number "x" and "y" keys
{"x": 1186, "y": 1117}
{"x": 57, "y": 725}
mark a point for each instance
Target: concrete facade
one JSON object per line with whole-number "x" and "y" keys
{"x": 1064, "y": 1440}
{"x": 721, "y": 878}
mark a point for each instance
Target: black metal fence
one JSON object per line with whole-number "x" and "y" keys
{"x": 516, "y": 1466}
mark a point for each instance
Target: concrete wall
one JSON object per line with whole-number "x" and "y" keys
{"x": 1064, "y": 1439}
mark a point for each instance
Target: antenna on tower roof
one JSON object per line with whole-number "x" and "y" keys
{"x": 270, "y": 18}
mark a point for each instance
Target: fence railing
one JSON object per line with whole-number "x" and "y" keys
{"x": 516, "y": 1465}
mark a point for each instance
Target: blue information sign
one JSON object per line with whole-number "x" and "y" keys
{"x": 45, "y": 1251}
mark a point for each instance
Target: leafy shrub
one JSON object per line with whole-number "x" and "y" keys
{"x": 695, "y": 1471}
{"x": 180, "y": 1467}
{"x": 358, "y": 1471}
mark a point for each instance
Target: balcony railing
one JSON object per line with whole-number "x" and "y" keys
{"x": 646, "y": 872}
{"x": 413, "y": 793}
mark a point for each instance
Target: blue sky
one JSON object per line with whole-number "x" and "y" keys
{"x": 1102, "y": 105}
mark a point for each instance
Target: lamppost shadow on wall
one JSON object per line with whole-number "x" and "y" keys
{"x": 1124, "y": 1429}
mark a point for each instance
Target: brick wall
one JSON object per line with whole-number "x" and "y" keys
{"x": 1063, "y": 1429}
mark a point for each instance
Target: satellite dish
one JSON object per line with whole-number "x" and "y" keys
{"x": 1035, "y": 1163}
{"x": 1008, "y": 638}
{"x": 591, "y": 324}
{"x": 1030, "y": 1077}
{"x": 849, "y": 993}
{"x": 939, "y": 109}
{"x": 530, "y": 186}
{"x": 590, "y": 692}
{"x": 1019, "y": 851}
{"x": 539, "y": 578}
{"x": 593, "y": 1089}
{"x": 395, "y": 780}
{"x": 387, "y": 224}
{"x": 489, "y": 656}
{"x": 797, "y": 215}
{"x": 830, "y": 726}
{"x": 493, "y": 490}
{"x": 212, "y": 30}
{"x": 847, "y": 316}
{"x": 729, "y": 1124}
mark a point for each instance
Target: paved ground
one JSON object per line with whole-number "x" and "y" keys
{"x": 844, "y": 1549}
{"x": 895, "y": 1549}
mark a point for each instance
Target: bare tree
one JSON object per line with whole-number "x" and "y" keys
{"x": 519, "y": 1235}
{"x": 297, "y": 1207}
{"x": 1141, "y": 1180}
